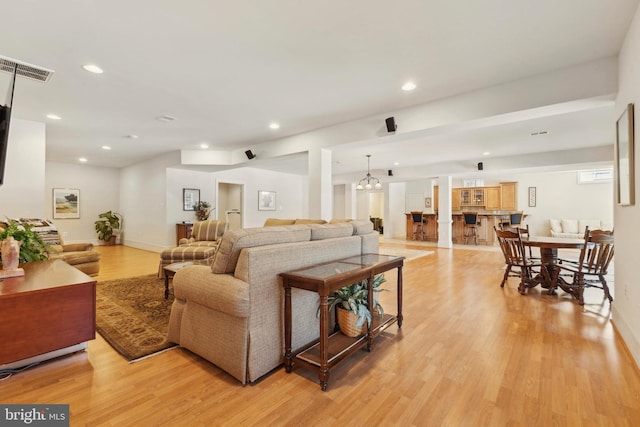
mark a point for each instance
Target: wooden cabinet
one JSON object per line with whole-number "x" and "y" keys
{"x": 183, "y": 231}
{"x": 492, "y": 198}
{"x": 436, "y": 195}
{"x": 465, "y": 197}
{"x": 509, "y": 196}
{"x": 50, "y": 308}
{"x": 455, "y": 199}
{"x": 478, "y": 196}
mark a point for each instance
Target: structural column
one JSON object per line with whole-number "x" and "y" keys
{"x": 320, "y": 184}
{"x": 444, "y": 213}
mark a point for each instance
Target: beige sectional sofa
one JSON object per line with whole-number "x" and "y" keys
{"x": 574, "y": 228}
{"x": 232, "y": 312}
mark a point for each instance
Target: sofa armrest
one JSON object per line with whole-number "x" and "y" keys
{"x": 220, "y": 292}
{"x": 184, "y": 241}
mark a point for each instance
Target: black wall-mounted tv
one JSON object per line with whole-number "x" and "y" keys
{"x": 5, "y": 119}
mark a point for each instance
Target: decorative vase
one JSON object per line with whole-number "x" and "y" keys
{"x": 347, "y": 321}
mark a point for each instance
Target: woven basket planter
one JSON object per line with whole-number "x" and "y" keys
{"x": 347, "y": 321}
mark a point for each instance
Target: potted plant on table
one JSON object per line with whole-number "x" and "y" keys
{"x": 32, "y": 248}
{"x": 108, "y": 226}
{"x": 352, "y": 305}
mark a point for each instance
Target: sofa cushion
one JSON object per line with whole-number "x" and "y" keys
{"x": 570, "y": 226}
{"x": 361, "y": 226}
{"x": 272, "y": 222}
{"x": 556, "y": 225}
{"x": 330, "y": 231}
{"x": 208, "y": 230}
{"x": 593, "y": 224}
{"x": 235, "y": 240}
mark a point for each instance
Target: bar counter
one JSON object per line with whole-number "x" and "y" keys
{"x": 485, "y": 229}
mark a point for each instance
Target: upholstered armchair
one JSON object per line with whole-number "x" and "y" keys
{"x": 205, "y": 233}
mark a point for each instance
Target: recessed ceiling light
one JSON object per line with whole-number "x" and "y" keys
{"x": 204, "y": 146}
{"x": 82, "y": 159}
{"x": 486, "y": 153}
{"x": 93, "y": 69}
{"x": 106, "y": 147}
{"x": 408, "y": 86}
{"x": 274, "y": 125}
{"x": 396, "y": 163}
{"x": 53, "y": 117}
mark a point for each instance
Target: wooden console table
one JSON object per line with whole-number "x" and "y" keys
{"x": 329, "y": 350}
{"x": 183, "y": 231}
{"x": 51, "y": 307}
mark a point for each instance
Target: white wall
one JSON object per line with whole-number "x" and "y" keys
{"x": 626, "y": 306}
{"x": 23, "y": 193}
{"x": 99, "y": 192}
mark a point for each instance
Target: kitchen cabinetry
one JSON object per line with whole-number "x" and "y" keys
{"x": 492, "y": 198}
{"x": 509, "y": 195}
{"x": 455, "y": 199}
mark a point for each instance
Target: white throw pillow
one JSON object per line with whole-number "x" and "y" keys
{"x": 556, "y": 227}
{"x": 593, "y": 224}
{"x": 570, "y": 226}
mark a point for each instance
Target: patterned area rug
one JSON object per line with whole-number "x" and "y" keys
{"x": 133, "y": 316}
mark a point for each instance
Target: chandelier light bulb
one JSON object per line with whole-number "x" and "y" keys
{"x": 378, "y": 186}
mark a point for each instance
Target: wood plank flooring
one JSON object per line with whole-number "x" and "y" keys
{"x": 469, "y": 354}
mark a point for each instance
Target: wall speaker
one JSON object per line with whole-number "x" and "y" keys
{"x": 391, "y": 124}
{"x": 390, "y": 172}
{"x": 480, "y": 166}
{"x": 249, "y": 154}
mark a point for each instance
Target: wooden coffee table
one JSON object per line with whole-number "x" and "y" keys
{"x": 171, "y": 270}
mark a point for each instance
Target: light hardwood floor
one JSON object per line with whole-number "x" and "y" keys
{"x": 469, "y": 354}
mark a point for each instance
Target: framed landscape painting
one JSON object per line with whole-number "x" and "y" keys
{"x": 66, "y": 203}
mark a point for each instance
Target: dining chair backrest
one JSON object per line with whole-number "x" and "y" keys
{"x": 470, "y": 218}
{"x": 596, "y": 232}
{"x": 599, "y": 255}
{"x": 510, "y": 242}
{"x": 416, "y": 217}
{"x": 515, "y": 218}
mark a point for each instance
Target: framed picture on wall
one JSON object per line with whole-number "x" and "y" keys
{"x": 624, "y": 158}
{"x": 532, "y": 197}
{"x": 66, "y": 203}
{"x": 190, "y": 196}
{"x": 266, "y": 200}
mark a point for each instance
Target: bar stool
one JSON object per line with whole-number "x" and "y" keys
{"x": 418, "y": 225}
{"x": 471, "y": 226}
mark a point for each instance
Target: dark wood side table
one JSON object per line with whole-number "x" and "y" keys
{"x": 183, "y": 231}
{"x": 51, "y": 307}
{"x": 329, "y": 350}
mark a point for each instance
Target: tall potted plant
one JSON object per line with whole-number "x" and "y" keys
{"x": 353, "y": 307}
{"x": 108, "y": 226}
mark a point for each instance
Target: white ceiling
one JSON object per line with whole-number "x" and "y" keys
{"x": 225, "y": 70}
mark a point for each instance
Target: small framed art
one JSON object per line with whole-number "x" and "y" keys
{"x": 66, "y": 203}
{"x": 266, "y": 200}
{"x": 190, "y": 196}
{"x": 532, "y": 197}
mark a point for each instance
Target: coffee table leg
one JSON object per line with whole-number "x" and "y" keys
{"x": 166, "y": 286}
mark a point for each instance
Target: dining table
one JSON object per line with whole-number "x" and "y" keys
{"x": 549, "y": 259}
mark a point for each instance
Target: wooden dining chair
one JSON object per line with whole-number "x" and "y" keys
{"x": 524, "y": 233}
{"x": 515, "y": 255}
{"x": 592, "y": 265}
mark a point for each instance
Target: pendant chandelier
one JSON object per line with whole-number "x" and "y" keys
{"x": 365, "y": 183}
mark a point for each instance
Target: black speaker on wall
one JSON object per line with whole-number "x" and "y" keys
{"x": 249, "y": 154}
{"x": 480, "y": 166}
{"x": 391, "y": 124}
{"x": 390, "y": 172}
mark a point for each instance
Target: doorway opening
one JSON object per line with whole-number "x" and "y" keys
{"x": 229, "y": 203}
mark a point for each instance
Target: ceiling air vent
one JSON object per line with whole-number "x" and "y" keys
{"x": 29, "y": 71}
{"x": 165, "y": 118}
